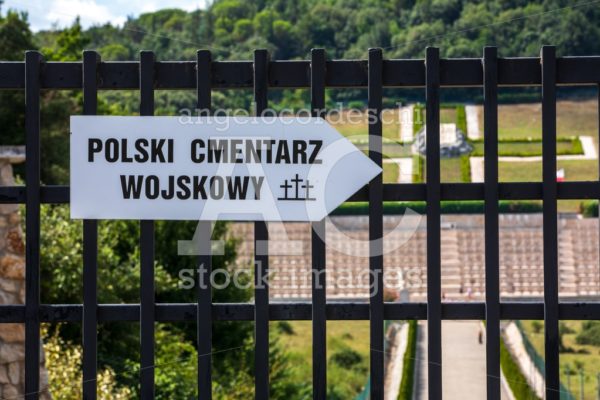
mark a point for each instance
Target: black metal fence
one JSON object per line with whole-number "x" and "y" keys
{"x": 261, "y": 74}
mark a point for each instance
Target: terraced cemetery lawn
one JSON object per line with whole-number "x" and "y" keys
{"x": 574, "y": 118}
{"x": 356, "y": 123}
{"x": 390, "y": 172}
{"x": 390, "y": 148}
{"x": 448, "y": 115}
{"x": 575, "y": 170}
{"x": 347, "y": 355}
{"x": 450, "y": 170}
{"x": 590, "y": 362}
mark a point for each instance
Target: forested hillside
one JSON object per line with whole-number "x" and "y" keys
{"x": 232, "y": 29}
{"x": 347, "y": 28}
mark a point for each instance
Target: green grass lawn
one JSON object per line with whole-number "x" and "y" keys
{"x": 574, "y": 118}
{"x": 343, "y": 338}
{"x": 389, "y": 149}
{"x": 448, "y": 115}
{"x": 584, "y": 170}
{"x": 590, "y": 362}
{"x": 450, "y": 170}
{"x": 356, "y": 123}
{"x": 390, "y": 173}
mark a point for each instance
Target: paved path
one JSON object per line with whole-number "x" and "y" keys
{"x": 471, "y": 112}
{"x": 477, "y": 169}
{"x": 405, "y": 168}
{"x": 395, "y": 363}
{"x": 463, "y": 362}
{"x": 421, "y": 388}
{"x": 406, "y": 123}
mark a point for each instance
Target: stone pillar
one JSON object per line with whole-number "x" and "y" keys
{"x": 12, "y": 287}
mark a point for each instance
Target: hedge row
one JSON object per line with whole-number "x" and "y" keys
{"x": 418, "y": 115}
{"x": 461, "y": 118}
{"x": 527, "y": 140}
{"x": 418, "y": 168}
{"x": 465, "y": 168}
{"x": 529, "y": 148}
{"x": 408, "y": 369}
{"x": 589, "y": 208}
{"x": 448, "y": 207}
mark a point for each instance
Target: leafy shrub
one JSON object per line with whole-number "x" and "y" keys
{"x": 285, "y": 328}
{"x": 589, "y": 208}
{"x": 65, "y": 376}
{"x": 566, "y": 329}
{"x": 346, "y": 358}
{"x": 590, "y": 333}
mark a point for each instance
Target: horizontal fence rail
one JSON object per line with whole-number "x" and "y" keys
{"x": 55, "y": 194}
{"x": 261, "y": 75}
{"x": 296, "y": 74}
{"x": 302, "y": 311}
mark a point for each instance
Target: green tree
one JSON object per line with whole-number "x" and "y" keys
{"x": 115, "y": 52}
{"x": 70, "y": 42}
{"x": 243, "y": 29}
{"x": 15, "y": 38}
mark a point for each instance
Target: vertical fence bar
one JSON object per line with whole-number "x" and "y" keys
{"x": 91, "y": 59}
{"x": 548, "y": 60}
{"x": 434, "y": 305}
{"x": 492, "y": 235}
{"x": 375, "y": 93}
{"x": 147, "y": 299}
{"x": 33, "y": 61}
{"x": 261, "y": 257}
{"x": 319, "y": 281}
{"x": 204, "y": 288}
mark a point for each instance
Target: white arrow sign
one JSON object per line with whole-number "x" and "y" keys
{"x": 212, "y": 168}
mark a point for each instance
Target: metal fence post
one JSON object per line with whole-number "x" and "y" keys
{"x": 33, "y": 61}
{"x": 319, "y": 279}
{"x": 147, "y": 305}
{"x": 261, "y": 257}
{"x": 91, "y": 60}
{"x": 548, "y": 67}
{"x": 204, "y": 315}
{"x": 375, "y": 93}
{"x": 434, "y": 305}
